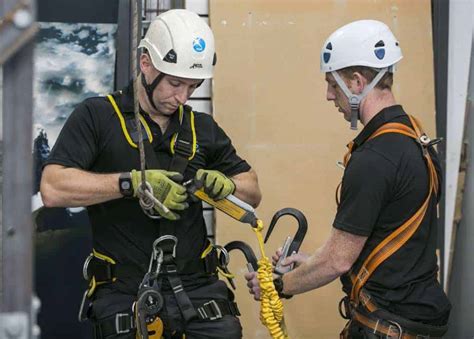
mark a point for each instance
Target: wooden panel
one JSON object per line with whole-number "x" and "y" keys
{"x": 269, "y": 96}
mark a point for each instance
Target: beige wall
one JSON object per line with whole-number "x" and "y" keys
{"x": 269, "y": 96}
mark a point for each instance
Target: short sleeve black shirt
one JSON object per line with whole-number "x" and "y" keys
{"x": 384, "y": 184}
{"x": 92, "y": 139}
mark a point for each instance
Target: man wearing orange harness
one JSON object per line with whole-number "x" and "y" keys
{"x": 383, "y": 241}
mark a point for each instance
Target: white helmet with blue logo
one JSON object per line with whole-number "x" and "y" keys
{"x": 181, "y": 44}
{"x": 367, "y": 43}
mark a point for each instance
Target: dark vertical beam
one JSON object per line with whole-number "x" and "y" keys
{"x": 440, "y": 22}
{"x": 123, "y": 71}
{"x": 17, "y": 227}
{"x": 178, "y": 4}
{"x": 122, "y": 61}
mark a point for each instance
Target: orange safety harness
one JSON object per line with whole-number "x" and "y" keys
{"x": 391, "y": 244}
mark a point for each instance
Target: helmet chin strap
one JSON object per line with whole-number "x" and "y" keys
{"x": 149, "y": 88}
{"x": 355, "y": 99}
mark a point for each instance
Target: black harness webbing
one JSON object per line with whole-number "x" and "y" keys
{"x": 184, "y": 149}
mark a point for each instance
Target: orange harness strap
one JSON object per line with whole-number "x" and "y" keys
{"x": 403, "y": 233}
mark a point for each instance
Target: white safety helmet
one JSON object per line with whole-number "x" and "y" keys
{"x": 181, "y": 44}
{"x": 368, "y": 43}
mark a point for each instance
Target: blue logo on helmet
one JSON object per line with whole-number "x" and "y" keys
{"x": 380, "y": 53}
{"x": 199, "y": 45}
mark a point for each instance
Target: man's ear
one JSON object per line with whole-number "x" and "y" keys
{"x": 145, "y": 62}
{"x": 358, "y": 82}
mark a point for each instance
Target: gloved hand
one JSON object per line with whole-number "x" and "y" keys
{"x": 165, "y": 189}
{"x": 216, "y": 185}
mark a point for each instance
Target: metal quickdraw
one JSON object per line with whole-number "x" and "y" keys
{"x": 150, "y": 301}
{"x": 291, "y": 244}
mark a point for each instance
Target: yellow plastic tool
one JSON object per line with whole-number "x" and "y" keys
{"x": 230, "y": 205}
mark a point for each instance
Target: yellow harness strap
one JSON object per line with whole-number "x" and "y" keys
{"x": 271, "y": 306}
{"x": 124, "y": 126}
{"x": 148, "y": 130}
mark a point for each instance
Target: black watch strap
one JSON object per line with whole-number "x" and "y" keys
{"x": 278, "y": 282}
{"x": 125, "y": 184}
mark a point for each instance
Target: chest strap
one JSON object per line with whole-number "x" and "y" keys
{"x": 182, "y": 145}
{"x": 394, "y": 241}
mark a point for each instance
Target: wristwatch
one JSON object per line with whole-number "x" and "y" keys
{"x": 278, "y": 282}
{"x": 125, "y": 184}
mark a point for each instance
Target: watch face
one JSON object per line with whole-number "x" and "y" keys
{"x": 125, "y": 185}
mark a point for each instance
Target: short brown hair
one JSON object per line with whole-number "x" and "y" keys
{"x": 369, "y": 73}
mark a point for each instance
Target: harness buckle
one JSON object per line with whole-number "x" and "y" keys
{"x": 394, "y": 326}
{"x": 183, "y": 148}
{"x": 118, "y": 323}
{"x": 212, "y": 307}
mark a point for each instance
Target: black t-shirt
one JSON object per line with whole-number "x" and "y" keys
{"x": 384, "y": 184}
{"x": 92, "y": 139}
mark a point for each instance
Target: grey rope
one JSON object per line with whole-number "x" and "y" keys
{"x": 145, "y": 191}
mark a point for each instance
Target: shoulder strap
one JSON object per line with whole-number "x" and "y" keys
{"x": 130, "y": 131}
{"x": 183, "y": 143}
{"x": 403, "y": 233}
{"x": 129, "y": 127}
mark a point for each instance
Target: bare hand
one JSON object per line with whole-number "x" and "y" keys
{"x": 297, "y": 259}
{"x": 253, "y": 285}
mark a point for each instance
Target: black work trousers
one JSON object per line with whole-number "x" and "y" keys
{"x": 109, "y": 303}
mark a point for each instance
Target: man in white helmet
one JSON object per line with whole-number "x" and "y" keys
{"x": 383, "y": 241}
{"x": 95, "y": 163}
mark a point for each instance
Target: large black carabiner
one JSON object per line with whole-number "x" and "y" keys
{"x": 300, "y": 233}
{"x": 246, "y": 250}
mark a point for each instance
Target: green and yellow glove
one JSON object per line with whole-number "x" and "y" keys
{"x": 165, "y": 189}
{"x": 216, "y": 185}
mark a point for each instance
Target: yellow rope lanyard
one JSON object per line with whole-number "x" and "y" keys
{"x": 271, "y": 306}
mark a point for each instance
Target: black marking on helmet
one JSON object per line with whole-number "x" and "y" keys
{"x": 214, "y": 60}
{"x": 380, "y": 44}
{"x": 326, "y": 57}
{"x": 171, "y": 57}
{"x": 329, "y": 46}
{"x": 396, "y": 43}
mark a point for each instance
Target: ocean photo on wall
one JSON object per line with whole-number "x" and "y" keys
{"x": 72, "y": 62}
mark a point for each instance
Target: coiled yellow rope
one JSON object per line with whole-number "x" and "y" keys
{"x": 271, "y": 306}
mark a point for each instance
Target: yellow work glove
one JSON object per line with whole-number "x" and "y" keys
{"x": 165, "y": 189}
{"x": 216, "y": 185}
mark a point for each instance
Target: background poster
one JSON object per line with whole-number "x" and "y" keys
{"x": 72, "y": 62}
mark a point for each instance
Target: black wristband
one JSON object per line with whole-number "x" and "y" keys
{"x": 125, "y": 184}
{"x": 278, "y": 282}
